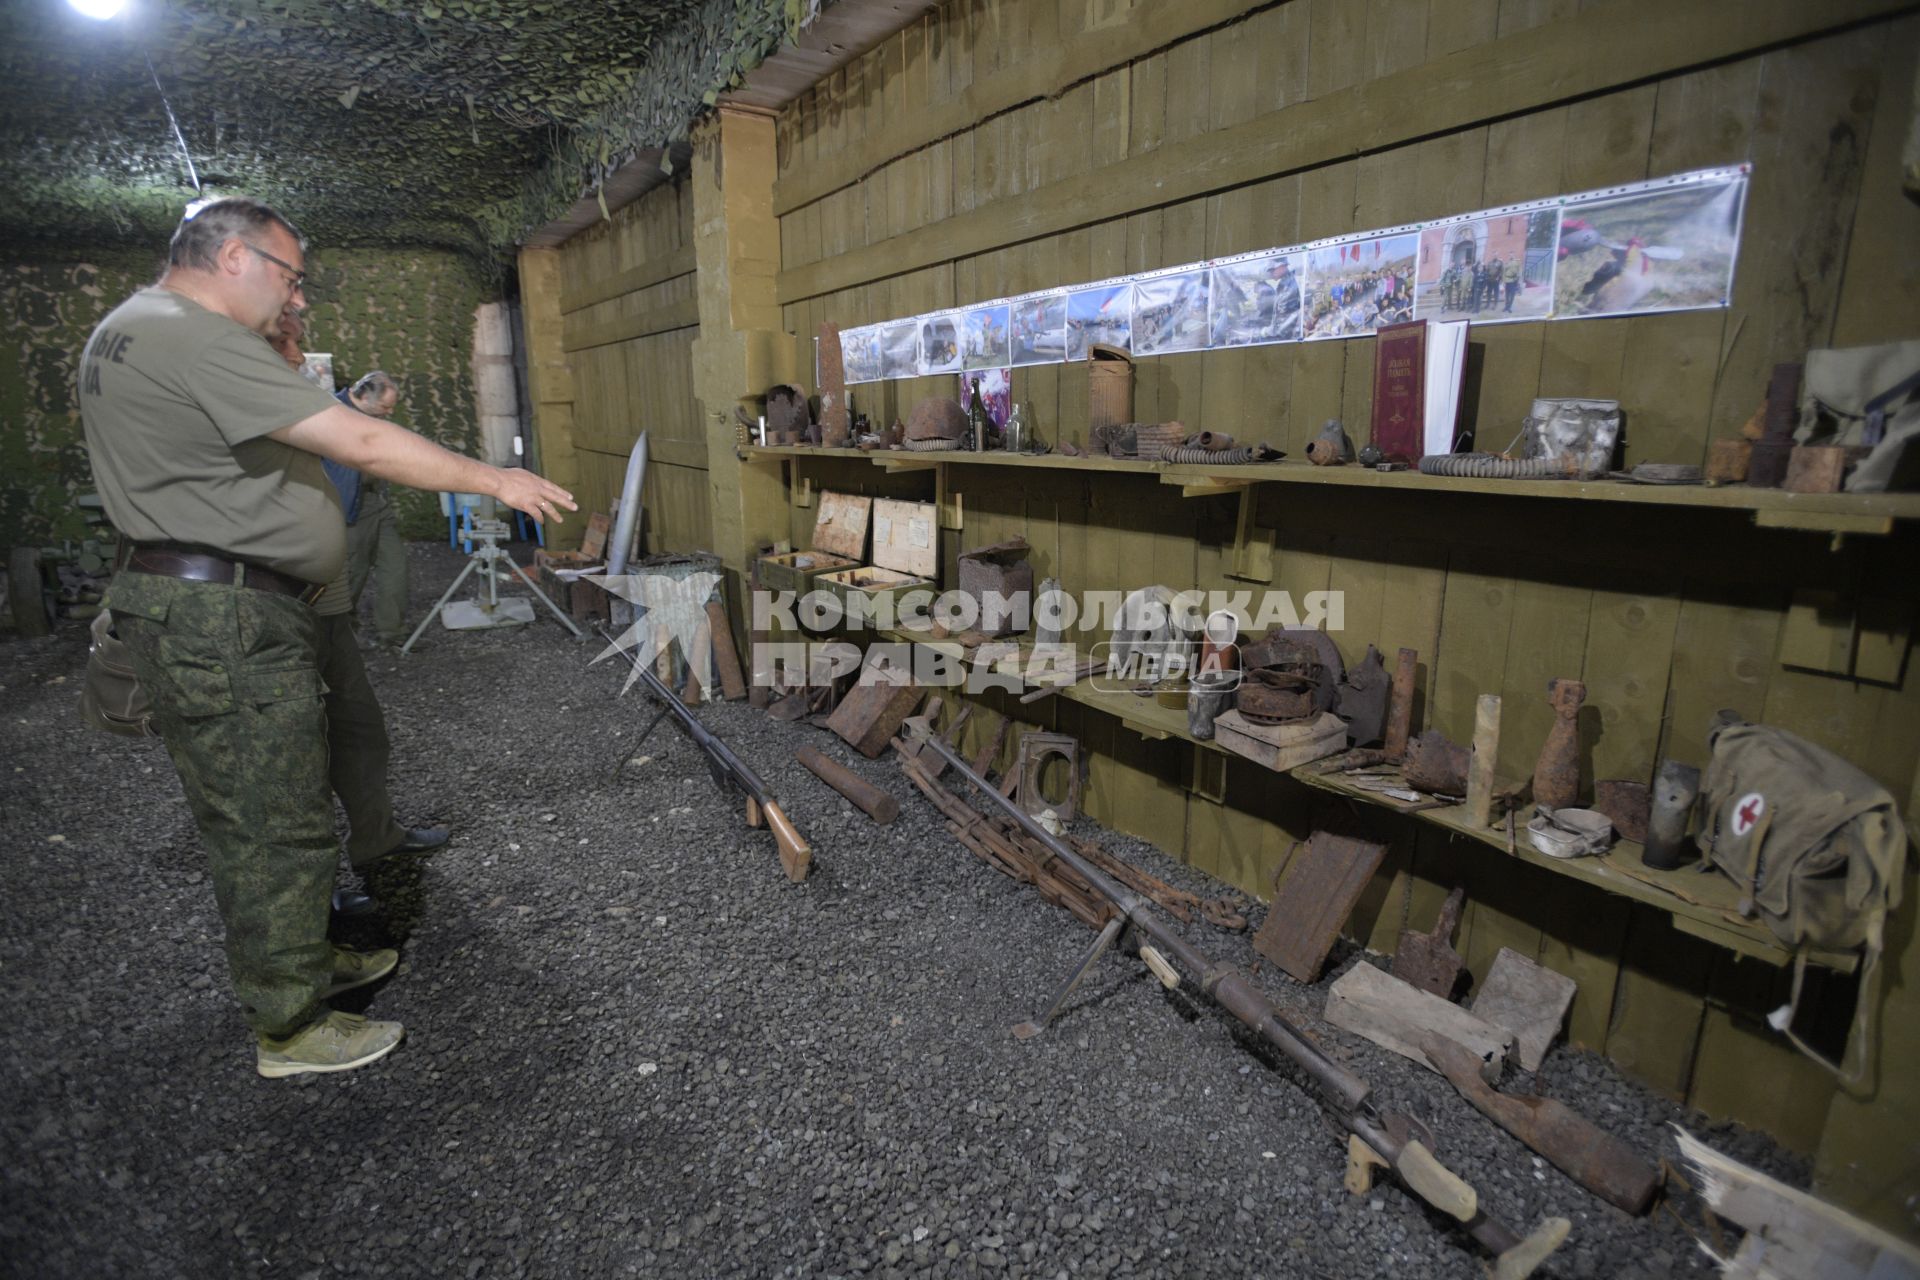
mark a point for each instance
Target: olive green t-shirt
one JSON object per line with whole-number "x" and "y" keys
{"x": 177, "y": 403}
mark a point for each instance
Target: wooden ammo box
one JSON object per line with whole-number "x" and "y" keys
{"x": 583, "y": 601}
{"x": 906, "y": 554}
{"x": 839, "y": 542}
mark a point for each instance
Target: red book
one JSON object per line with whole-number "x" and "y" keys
{"x": 1399, "y": 390}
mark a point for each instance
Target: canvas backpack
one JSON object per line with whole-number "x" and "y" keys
{"x": 1867, "y": 397}
{"x": 1818, "y": 850}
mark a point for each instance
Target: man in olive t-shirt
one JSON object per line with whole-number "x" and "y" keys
{"x": 206, "y": 449}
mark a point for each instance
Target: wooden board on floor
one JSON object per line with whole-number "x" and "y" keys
{"x": 1395, "y": 1016}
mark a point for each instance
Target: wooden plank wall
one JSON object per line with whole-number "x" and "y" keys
{"x": 630, "y": 322}
{"x": 1667, "y": 614}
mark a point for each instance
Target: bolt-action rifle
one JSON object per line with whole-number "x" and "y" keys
{"x": 730, "y": 772}
{"x": 1398, "y": 1140}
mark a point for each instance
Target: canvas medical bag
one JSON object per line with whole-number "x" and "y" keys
{"x": 1818, "y": 851}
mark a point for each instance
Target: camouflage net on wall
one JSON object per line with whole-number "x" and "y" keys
{"x": 460, "y": 124}
{"x": 410, "y": 313}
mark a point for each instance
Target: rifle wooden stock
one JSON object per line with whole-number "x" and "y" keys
{"x": 796, "y": 855}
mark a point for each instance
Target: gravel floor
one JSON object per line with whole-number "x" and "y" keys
{"x": 634, "y": 1049}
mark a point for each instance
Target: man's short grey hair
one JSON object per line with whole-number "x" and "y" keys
{"x": 373, "y": 386}
{"x": 197, "y": 241}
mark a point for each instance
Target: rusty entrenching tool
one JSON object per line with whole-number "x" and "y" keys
{"x": 1428, "y": 960}
{"x": 1174, "y": 960}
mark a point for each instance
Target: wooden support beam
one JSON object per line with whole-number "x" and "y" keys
{"x": 1602, "y": 47}
{"x": 1043, "y": 72}
{"x": 684, "y": 314}
{"x": 679, "y": 262}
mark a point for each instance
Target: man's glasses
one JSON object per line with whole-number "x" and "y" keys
{"x": 299, "y": 277}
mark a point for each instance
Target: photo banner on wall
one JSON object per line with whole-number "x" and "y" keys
{"x": 940, "y": 344}
{"x": 1489, "y": 268}
{"x": 1101, "y": 315}
{"x": 1669, "y": 248}
{"x": 860, "y": 354}
{"x": 983, "y": 336}
{"x": 1039, "y": 329}
{"x": 1256, "y": 299}
{"x": 1670, "y": 244}
{"x": 1170, "y": 313}
{"x": 1356, "y": 286}
{"x": 900, "y": 349}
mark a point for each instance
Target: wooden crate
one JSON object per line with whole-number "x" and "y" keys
{"x": 839, "y": 543}
{"x": 906, "y": 557}
{"x": 583, "y": 601}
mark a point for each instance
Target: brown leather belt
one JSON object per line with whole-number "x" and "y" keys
{"x": 200, "y": 566}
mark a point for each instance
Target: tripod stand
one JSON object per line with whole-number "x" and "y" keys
{"x": 487, "y": 609}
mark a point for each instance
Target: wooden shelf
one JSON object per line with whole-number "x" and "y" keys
{"x": 1702, "y": 903}
{"x": 1835, "y": 513}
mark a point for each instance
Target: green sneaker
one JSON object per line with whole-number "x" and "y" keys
{"x": 335, "y": 1041}
{"x": 357, "y": 968}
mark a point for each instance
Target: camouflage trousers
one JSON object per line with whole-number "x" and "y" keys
{"x": 357, "y": 745}
{"x": 374, "y": 548}
{"x": 236, "y": 693}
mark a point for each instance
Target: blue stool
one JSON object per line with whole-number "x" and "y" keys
{"x": 459, "y": 508}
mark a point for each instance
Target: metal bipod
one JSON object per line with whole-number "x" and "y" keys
{"x": 1028, "y": 1030}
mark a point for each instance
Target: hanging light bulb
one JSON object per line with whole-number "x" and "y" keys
{"x": 101, "y": 9}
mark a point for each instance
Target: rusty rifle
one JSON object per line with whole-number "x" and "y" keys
{"x": 1235, "y": 991}
{"x": 729, "y": 771}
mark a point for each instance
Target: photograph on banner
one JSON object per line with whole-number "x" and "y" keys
{"x": 1170, "y": 313}
{"x": 900, "y": 349}
{"x": 861, "y": 357}
{"x": 1257, "y": 300}
{"x": 1488, "y": 270}
{"x": 1669, "y": 249}
{"x": 940, "y": 345}
{"x": 1354, "y": 288}
{"x": 1103, "y": 314}
{"x": 1040, "y": 330}
{"x": 983, "y": 337}
{"x": 996, "y": 391}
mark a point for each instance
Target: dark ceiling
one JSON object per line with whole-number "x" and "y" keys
{"x": 461, "y": 123}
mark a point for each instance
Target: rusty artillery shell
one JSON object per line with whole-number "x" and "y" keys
{"x": 1400, "y": 705}
{"x": 1556, "y": 777}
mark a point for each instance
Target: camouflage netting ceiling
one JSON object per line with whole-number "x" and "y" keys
{"x": 460, "y": 124}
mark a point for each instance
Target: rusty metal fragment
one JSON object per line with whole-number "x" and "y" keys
{"x": 1590, "y": 1156}
{"x": 1315, "y": 896}
{"x": 1625, "y": 803}
{"x": 1433, "y": 764}
{"x": 1363, "y": 700}
{"x": 788, "y": 416}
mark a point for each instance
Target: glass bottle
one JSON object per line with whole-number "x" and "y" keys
{"x": 1013, "y": 436}
{"x": 976, "y": 418}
